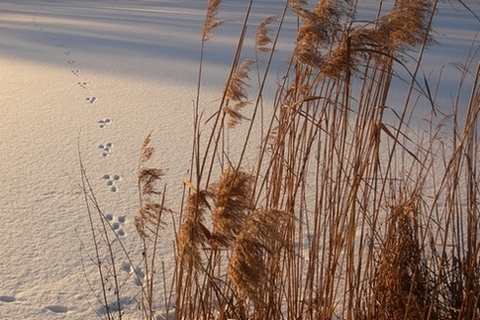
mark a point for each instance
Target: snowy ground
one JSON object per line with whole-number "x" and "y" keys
{"x": 97, "y": 76}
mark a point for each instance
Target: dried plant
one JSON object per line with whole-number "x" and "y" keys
{"x": 297, "y": 5}
{"x": 148, "y": 219}
{"x": 234, "y": 115}
{"x": 320, "y": 29}
{"x": 373, "y": 219}
{"x": 406, "y": 24}
{"x": 259, "y": 237}
{"x": 148, "y": 222}
{"x": 236, "y": 92}
{"x": 146, "y": 151}
{"x": 403, "y": 284}
{"x": 233, "y": 199}
{"x": 348, "y": 55}
{"x": 211, "y": 21}
{"x": 263, "y": 34}
{"x": 193, "y": 235}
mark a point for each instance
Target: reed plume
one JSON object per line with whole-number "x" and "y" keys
{"x": 263, "y": 34}
{"x": 321, "y": 27}
{"x": 237, "y": 94}
{"x": 148, "y": 219}
{"x": 148, "y": 222}
{"x": 211, "y": 21}
{"x": 193, "y": 235}
{"x": 260, "y": 235}
{"x": 348, "y": 55}
{"x": 146, "y": 151}
{"x": 405, "y": 25}
{"x": 233, "y": 194}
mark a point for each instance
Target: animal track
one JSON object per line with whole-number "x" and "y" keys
{"x": 127, "y": 267}
{"x": 104, "y": 122}
{"x": 7, "y": 299}
{"x": 57, "y": 309}
{"x": 112, "y": 181}
{"x": 139, "y": 279}
{"x": 117, "y": 224}
{"x": 75, "y": 71}
{"x": 71, "y": 62}
{"x": 91, "y": 100}
{"x": 66, "y": 53}
{"x": 82, "y": 84}
{"x": 106, "y": 148}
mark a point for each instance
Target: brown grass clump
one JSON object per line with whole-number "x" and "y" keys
{"x": 259, "y": 237}
{"x": 402, "y": 285}
{"x": 233, "y": 199}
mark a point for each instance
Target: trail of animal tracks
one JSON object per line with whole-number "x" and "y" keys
{"x": 78, "y": 76}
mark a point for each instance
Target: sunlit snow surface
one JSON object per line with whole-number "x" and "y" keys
{"x": 95, "y": 77}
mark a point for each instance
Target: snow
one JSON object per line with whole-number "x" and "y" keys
{"x": 96, "y": 77}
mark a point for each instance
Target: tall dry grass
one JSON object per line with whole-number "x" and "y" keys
{"x": 348, "y": 212}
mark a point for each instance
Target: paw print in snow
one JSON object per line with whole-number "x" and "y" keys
{"x": 104, "y": 122}
{"x": 117, "y": 223}
{"x": 106, "y": 148}
{"x": 91, "y": 99}
{"x": 112, "y": 181}
{"x": 138, "y": 273}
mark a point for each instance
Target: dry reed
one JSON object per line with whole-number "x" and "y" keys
{"x": 405, "y": 25}
{"x": 402, "y": 286}
{"x": 232, "y": 194}
{"x": 319, "y": 30}
{"x": 192, "y": 235}
{"x": 148, "y": 223}
{"x": 236, "y": 93}
{"x": 259, "y": 237}
{"x": 355, "y": 233}
{"x": 150, "y": 212}
{"x": 211, "y": 21}
{"x": 263, "y": 34}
